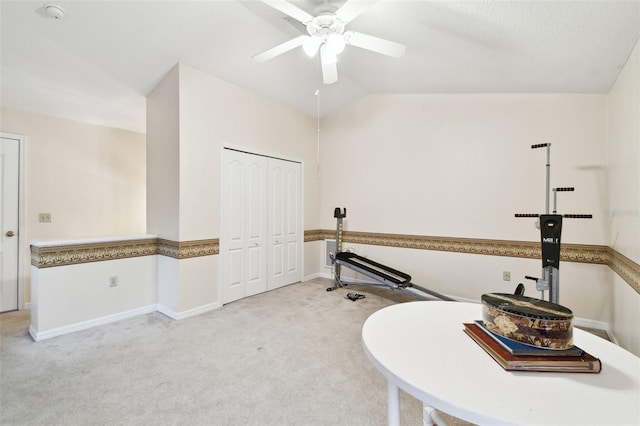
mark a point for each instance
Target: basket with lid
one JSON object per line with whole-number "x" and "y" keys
{"x": 525, "y": 319}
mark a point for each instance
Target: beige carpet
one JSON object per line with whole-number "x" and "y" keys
{"x": 292, "y": 356}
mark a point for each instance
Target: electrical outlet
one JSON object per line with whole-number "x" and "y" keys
{"x": 44, "y": 217}
{"x": 506, "y": 276}
{"x": 113, "y": 281}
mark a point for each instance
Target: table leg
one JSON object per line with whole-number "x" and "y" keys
{"x": 431, "y": 417}
{"x": 427, "y": 420}
{"x": 393, "y": 401}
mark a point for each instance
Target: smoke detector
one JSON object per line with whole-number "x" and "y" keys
{"x": 54, "y": 11}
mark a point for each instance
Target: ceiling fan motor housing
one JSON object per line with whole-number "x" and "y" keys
{"x": 325, "y": 24}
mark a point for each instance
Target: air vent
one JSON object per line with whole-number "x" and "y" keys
{"x": 329, "y": 247}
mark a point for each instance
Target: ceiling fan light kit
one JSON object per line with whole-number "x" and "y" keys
{"x": 335, "y": 43}
{"x": 327, "y": 35}
{"x": 311, "y": 45}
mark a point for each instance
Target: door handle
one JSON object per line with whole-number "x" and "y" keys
{"x": 10, "y": 234}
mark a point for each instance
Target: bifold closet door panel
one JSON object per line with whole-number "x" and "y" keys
{"x": 255, "y": 217}
{"x": 285, "y": 209}
{"x": 276, "y": 223}
{"x": 294, "y": 237}
{"x": 243, "y": 230}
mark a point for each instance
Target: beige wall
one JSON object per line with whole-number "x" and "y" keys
{"x": 203, "y": 113}
{"x": 461, "y": 166}
{"x": 163, "y": 158}
{"x": 623, "y": 158}
{"x": 213, "y": 113}
{"x": 191, "y": 115}
{"x": 90, "y": 178}
{"x": 623, "y": 171}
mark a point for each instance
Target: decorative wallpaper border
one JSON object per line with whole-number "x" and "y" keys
{"x": 318, "y": 235}
{"x": 61, "y": 255}
{"x": 46, "y": 257}
{"x": 627, "y": 269}
{"x": 524, "y": 249}
{"x": 187, "y": 249}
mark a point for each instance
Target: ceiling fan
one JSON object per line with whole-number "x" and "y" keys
{"x": 327, "y": 34}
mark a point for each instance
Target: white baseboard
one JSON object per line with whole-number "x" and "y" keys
{"x": 59, "y": 331}
{"x": 317, "y": 275}
{"x": 188, "y": 313}
{"x": 598, "y": 325}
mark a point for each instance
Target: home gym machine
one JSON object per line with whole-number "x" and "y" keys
{"x": 385, "y": 276}
{"x": 550, "y": 231}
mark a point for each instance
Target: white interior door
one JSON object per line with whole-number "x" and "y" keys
{"x": 243, "y": 232}
{"x": 9, "y": 173}
{"x": 285, "y": 223}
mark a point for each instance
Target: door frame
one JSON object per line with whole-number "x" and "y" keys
{"x": 254, "y": 151}
{"x": 22, "y": 235}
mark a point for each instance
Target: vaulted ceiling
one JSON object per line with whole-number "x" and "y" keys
{"x": 99, "y": 62}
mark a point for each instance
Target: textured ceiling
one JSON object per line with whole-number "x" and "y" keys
{"x": 99, "y": 62}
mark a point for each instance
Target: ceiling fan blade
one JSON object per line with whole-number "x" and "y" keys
{"x": 379, "y": 45}
{"x": 352, "y": 9}
{"x": 302, "y": 28}
{"x": 289, "y": 9}
{"x": 280, "y": 49}
{"x": 329, "y": 66}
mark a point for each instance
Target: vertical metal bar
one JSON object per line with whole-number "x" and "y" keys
{"x": 547, "y": 270}
{"x": 338, "y": 246}
{"x": 544, "y": 282}
{"x": 548, "y": 177}
{"x": 554, "y": 285}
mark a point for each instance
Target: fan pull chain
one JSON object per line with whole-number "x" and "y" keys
{"x": 318, "y": 124}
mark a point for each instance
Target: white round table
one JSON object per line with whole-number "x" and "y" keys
{"x": 421, "y": 348}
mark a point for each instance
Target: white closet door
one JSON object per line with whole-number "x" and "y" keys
{"x": 243, "y": 225}
{"x": 285, "y": 223}
{"x": 9, "y": 182}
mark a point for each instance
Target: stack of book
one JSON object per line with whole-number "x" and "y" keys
{"x": 516, "y": 356}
